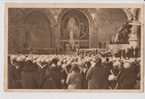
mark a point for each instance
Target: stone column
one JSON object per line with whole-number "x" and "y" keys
{"x": 92, "y": 35}
{"x": 56, "y": 34}
{"x": 133, "y": 40}
{"x": 27, "y": 37}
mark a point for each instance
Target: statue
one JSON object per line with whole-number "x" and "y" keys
{"x": 73, "y": 31}
{"x": 122, "y": 36}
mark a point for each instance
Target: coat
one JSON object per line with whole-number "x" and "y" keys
{"x": 97, "y": 78}
{"x": 85, "y": 82}
{"x": 75, "y": 80}
{"x": 127, "y": 78}
{"x": 14, "y": 78}
{"x": 30, "y": 77}
{"x": 107, "y": 66}
{"x": 52, "y": 79}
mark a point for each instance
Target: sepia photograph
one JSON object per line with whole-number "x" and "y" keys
{"x": 70, "y": 47}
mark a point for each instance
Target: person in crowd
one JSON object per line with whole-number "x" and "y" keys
{"x": 128, "y": 53}
{"x": 127, "y": 78}
{"x": 108, "y": 66}
{"x": 83, "y": 71}
{"x": 14, "y": 79}
{"x": 30, "y": 76}
{"x": 63, "y": 74}
{"x": 136, "y": 65}
{"x": 136, "y": 52}
{"x": 74, "y": 78}
{"x": 114, "y": 73}
{"x": 52, "y": 78}
{"x": 96, "y": 76}
{"x": 48, "y": 81}
{"x": 123, "y": 53}
{"x": 43, "y": 67}
{"x": 132, "y": 52}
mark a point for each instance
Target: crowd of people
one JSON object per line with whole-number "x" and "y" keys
{"x": 72, "y": 72}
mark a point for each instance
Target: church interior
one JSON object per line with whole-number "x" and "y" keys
{"x": 61, "y": 30}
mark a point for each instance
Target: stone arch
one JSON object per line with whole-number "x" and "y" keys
{"x": 132, "y": 13}
{"x": 77, "y": 14}
{"x": 83, "y": 11}
{"x": 39, "y": 30}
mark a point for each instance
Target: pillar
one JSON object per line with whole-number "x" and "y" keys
{"x": 133, "y": 39}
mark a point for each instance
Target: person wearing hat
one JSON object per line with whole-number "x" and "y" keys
{"x": 74, "y": 78}
{"x": 96, "y": 76}
{"x": 128, "y": 77}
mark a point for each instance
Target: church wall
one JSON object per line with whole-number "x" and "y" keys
{"x": 22, "y": 31}
{"x": 16, "y": 33}
{"x": 105, "y": 24}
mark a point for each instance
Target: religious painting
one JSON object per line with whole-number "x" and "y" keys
{"x": 75, "y": 21}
